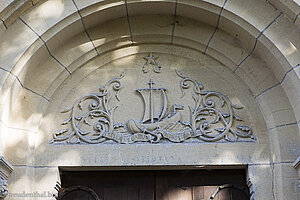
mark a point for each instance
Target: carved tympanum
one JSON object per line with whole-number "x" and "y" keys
{"x": 212, "y": 117}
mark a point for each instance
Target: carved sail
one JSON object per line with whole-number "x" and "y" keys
{"x": 155, "y": 100}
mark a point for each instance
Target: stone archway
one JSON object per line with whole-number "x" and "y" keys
{"x": 51, "y": 42}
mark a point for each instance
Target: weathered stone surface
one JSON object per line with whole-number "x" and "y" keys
{"x": 104, "y": 38}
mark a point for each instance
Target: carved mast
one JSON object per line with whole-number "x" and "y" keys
{"x": 152, "y": 96}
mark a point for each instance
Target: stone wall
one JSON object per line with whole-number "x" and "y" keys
{"x": 54, "y": 52}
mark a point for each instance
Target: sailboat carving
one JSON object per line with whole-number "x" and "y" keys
{"x": 155, "y": 113}
{"x": 155, "y": 101}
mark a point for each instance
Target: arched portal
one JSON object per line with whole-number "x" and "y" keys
{"x": 53, "y": 52}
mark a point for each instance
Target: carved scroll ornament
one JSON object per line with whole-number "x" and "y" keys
{"x": 3, "y": 188}
{"x": 212, "y": 117}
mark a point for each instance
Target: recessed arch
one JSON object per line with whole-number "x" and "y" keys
{"x": 260, "y": 45}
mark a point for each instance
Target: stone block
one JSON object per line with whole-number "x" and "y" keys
{"x": 297, "y": 21}
{"x": 256, "y": 74}
{"x": 45, "y": 179}
{"x": 12, "y": 12}
{"x": 152, "y": 27}
{"x": 291, "y": 87}
{"x": 284, "y": 35}
{"x": 285, "y": 143}
{"x": 103, "y": 12}
{"x": 55, "y": 84}
{"x": 61, "y": 26}
{"x": 271, "y": 55}
{"x": 28, "y": 108}
{"x": 230, "y": 46}
{"x": 12, "y": 49}
{"x": 276, "y": 108}
{"x": 221, "y": 57}
{"x": 199, "y": 35}
{"x": 285, "y": 181}
{"x": 3, "y": 76}
{"x": 289, "y": 8}
{"x": 258, "y": 14}
{"x": 40, "y": 68}
{"x": 87, "y": 57}
{"x": 206, "y": 12}
{"x": 2, "y": 28}
{"x": 82, "y": 4}
{"x": 70, "y": 43}
{"x": 108, "y": 32}
{"x": 4, "y": 4}
{"x": 297, "y": 112}
{"x": 261, "y": 178}
{"x": 16, "y": 147}
{"x": 21, "y": 183}
{"x": 150, "y": 7}
{"x": 48, "y": 13}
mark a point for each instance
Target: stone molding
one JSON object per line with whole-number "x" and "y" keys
{"x": 5, "y": 169}
{"x": 296, "y": 165}
{"x": 10, "y": 12}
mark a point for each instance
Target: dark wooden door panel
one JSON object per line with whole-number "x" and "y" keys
{"x": 159, "y": 185}
{"x": 198, "y": 192}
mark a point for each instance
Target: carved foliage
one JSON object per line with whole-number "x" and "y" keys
{"x": 206, "y": 117}
{"x": 3, "y": 188}
{"x": 90, "y": 116}
{"x": 212, "y": 118}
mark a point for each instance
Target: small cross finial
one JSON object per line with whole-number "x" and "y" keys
{"x": 151, "y": 83}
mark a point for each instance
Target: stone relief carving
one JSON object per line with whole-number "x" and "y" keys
{"x": 5, "y": 170}
{"x": 212, "y": 117}
{"x": 3, "y": 188}
{"x": 151, "y": 62}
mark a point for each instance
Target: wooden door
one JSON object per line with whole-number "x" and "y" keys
{"x": 201, "y": 185}
{"x": 156, "y": 185}
{"x": 114, "y": 185}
